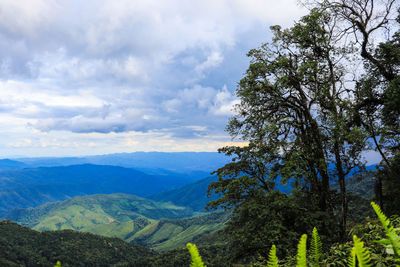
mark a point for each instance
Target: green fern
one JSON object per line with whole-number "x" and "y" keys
{"x": 359, "y": 254}
{"x": 352, "y": 261}
{"x": 394, "y": 239}
{"x": 272, "y": 259}
{"x": 316, "y": 248}
{"x": 302, "y": 252}
{"x": 194, "y": 253}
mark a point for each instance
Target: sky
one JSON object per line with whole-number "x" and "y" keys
{"x": 105, "y": 76}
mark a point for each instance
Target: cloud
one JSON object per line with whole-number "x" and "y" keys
{"x": 212, "y": 61}
{"x": 224, "y": 102}
{"x": 163, "y": 70}
{"x": 155, "y": 31}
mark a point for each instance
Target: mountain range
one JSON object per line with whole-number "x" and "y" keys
{"x": 32, "y": 187}
{"x": 178, "y": 162}
{"x": 193, "y": 195}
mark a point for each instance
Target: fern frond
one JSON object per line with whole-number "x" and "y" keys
{"x": 390, "y": 231}
{"x": 316, "y": 248}
{"x": 351, "y": 262}
{"x": 302, "y": 252}
{"x": 194, "y": 253}
{"x": 361, "y": 253}
{"x": 272, "y": 259}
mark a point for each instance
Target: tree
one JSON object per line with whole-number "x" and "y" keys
{"x": 378, "y": 89}
{"x": 296, "y": 112}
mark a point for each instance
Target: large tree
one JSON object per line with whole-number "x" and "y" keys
{"x": 378, "y": 88}
{"x": 296, "y": 112}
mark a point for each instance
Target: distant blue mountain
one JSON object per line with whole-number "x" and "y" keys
{"x": 27, "y": 183}
{"x": 8, "y": 164}
{"x": 183, "y": 162}
{"x": 35, "y": 186}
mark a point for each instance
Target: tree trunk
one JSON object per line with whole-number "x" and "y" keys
{"x": 378, "y": 191}
{"x": 343, "y": 196}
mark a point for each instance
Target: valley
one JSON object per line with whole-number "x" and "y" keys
{"x": 159, "y": 225}
{"x": 147, "y": 208}
{"x": 152, "y": 207}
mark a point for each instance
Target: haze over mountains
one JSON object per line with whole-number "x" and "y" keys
{"x": 109, "y": 200}
{"x": 31, "y": 182}
{"x": 181, "y": 162}
{"x": 35, "y": 186}
{"x": 193, "y": 195}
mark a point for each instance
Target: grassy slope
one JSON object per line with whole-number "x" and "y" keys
{"x": 170, "y": 234}
{"x": 192, "y": 195}
{"x": 111, "y": 215}
{"x": 131, "y": 218}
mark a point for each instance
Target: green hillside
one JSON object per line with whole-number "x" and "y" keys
{"x": 170, "y": 234}
{"x": 360, "y": 185}
{"x": 193, "y": 195}
{"x": 131, "y": 218}
{"x": 111, "y": 215}
{"x": 21, "y": 246}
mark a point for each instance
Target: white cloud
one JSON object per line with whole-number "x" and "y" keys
{"x": 212, "y": 61}
{"x": 224, "y": 102}
{"x": 208, "y": 99}
{"x": 154, "y": 69}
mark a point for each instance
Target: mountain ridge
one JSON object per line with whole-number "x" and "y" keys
{"x": 173, "y": 161}
{"x": 159, "y": 225}
{"x": 193, "y": 195}
{"x": 32, "y": 187}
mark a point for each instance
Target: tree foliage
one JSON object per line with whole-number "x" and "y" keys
{"x": 377, "y": 98}
{"x": 297, "y": 114}
{"x": 21, "y": 246}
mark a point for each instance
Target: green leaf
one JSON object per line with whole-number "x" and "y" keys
{"x": 316, "y": 248}
{"x": 389, "y": 250}
{"x": 272, "y": 259}
{"x": 390, "y": 231}
{"x": 352, "y": 260}
{"x": 194, "y": 253}
{"x": 302, "y": 252}
{"x": 361, "y": 252}
{"x": 383, "y": 241}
